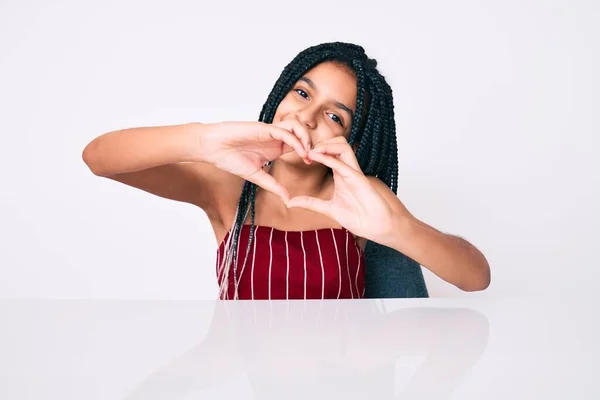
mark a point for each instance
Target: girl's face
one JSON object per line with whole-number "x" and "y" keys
{"x": 324, "y": 101}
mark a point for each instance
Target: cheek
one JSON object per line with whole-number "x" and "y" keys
{"x": 285, "y": 107}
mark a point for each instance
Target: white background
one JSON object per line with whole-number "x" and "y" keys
{"x": 496, "y": 110}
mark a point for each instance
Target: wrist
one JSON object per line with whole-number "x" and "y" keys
{"x": 402, "y": 229}
{"x": 200, "y": 141}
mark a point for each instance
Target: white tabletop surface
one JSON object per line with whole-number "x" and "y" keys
{"x": 468, "y": 348}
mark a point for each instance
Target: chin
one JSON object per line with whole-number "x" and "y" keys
{"x": 292, "y": 158}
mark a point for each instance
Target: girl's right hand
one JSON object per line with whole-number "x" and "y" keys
{"x": 243, "y": 148}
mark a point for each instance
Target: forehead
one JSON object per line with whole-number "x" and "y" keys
{"x": 334, "y": 81}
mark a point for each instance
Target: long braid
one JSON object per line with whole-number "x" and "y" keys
{"x": 373, "y": 129}
{"x": 360, "y": 101}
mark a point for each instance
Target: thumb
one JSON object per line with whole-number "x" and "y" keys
{"x": 310, "y": 203}
{"x": 266, "y": 181}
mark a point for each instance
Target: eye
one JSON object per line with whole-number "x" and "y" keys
{"x": 337, "y": 119}
{"x": 301, "y": 93}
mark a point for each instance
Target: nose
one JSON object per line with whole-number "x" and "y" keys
{"x": 306, "y": 118}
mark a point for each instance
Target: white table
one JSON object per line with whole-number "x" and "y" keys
{"x": 468, "y": 348}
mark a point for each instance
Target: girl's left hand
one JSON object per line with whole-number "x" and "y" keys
{"x": 356, "y": 204}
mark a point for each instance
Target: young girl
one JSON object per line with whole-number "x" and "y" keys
{"x": 294, "y": 197}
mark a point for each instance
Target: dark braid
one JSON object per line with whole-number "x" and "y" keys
{"x": 373, "y": 127}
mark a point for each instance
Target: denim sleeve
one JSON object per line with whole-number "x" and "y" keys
{"x": 391, "y": 274}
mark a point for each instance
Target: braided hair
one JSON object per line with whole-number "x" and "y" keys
{"x": 373, "y": 130}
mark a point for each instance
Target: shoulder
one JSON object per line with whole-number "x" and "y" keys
{"x": 225, "y": 195}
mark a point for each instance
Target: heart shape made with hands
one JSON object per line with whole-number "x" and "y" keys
{"x": 364, "y": 205}
{"x": 356, "y": 204}
{"x": 337, "y": 148}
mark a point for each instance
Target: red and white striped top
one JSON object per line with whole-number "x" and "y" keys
{"x": 317, "y": 264}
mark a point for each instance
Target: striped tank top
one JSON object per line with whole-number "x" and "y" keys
{"x": 315, "y": 264}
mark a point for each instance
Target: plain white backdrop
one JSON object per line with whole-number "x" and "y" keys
{"x": 496, "y": 112}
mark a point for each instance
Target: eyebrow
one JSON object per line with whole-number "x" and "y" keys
{"x": 337, "y": 103}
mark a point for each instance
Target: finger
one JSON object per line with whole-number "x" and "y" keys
{"x": 343, "y": 167}
{"x": 337, "y": 165}
{"x": 311, "y": 203}
{"x": 343, "y": 150}
{"x": 338, "y": 147}
{"x": 287, "y": 149}
{"x": 301, "y": 133}
{"x": 335, "y": 139}
{"x": 267, "y": 182}
{"x": 299, "y": 130}
{"x": 288, "y": 138}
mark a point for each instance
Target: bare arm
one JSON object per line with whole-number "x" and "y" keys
{"x": 450, "y": 257}
{"x": 135, "y": 149}
{"x": 201, "y": 164}
{"x": 163, "y": 160}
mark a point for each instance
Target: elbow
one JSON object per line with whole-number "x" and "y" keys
{"x": 479, "y": 280}
{"x": 90, "y": 159}
{"x": 476, "y": 286}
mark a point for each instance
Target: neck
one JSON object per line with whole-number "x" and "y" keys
{"x": 299, "y": 181}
